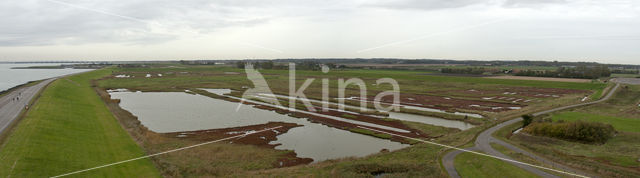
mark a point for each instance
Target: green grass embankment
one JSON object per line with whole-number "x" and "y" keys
{"x": 69, "y": 129}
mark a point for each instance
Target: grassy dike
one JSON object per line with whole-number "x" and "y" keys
{"x": 70, "y": 129}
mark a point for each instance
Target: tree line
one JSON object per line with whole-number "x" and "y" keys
{"x": 589, "y": 132}
{"x": 586, "y": 72}
{"x": 302, "y": 65}
{"x": 468, "y": 70}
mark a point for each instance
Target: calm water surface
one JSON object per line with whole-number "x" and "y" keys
{"x": 176, "y": 111}
{"x": 13, "y": 77}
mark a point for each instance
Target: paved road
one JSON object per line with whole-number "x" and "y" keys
{"x": 632, "y": 81}
{"x": 11, "y": 106}
{"x": 482, "y": 143}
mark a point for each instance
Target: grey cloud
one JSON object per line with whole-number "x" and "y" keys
{"x": 41, "y": 22}
{"x": 425, "y": 4}
{"x": 524, "y": 3}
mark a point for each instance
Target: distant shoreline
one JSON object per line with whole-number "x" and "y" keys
{"x": 41, "y": 67}
{"x": 61, "y": 67}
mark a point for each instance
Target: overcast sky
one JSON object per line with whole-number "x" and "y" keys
{"x": 605, "y": 31}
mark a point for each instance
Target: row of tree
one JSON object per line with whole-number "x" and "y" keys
{"x": 468, "y": 70}
{"x": 589, "y": 132}
{"x": 586, "y": 72}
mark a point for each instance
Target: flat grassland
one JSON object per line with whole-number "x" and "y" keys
{"x": 619, "y": 123}
{"x": 70, "y": 129}
{"x": 622, "y": 111}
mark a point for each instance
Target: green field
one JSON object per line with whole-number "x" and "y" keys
{"x": 619, "y": 123}
{"x": 621, "y": 111}
{"x": 473, "y": 165}
{"x": 409, "y": 80}
{"x": 618, "y": 157}
{"x": 70, "y": 129}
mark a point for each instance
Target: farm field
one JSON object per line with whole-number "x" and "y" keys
{"x": 70, "y": 129}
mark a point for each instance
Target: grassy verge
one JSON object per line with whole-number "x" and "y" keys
{"x": 70, "y": 129}
{"x": 524, "y": 158}
{"x": 472, "y": 165}
{"x": 616, "y": 158}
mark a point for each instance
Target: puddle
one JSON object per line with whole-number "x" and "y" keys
{"x": 421, "y": 108}
{"x": 442, "y": 111}
{"x": 175, "y": 112}
{"x": 217, "y": 91}
{"x": 431, "y": 120}
{"x": 410, "y": 117}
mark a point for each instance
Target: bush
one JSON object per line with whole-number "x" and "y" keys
{"x": 590, "y": 132}
{"x": 527, "y": 119}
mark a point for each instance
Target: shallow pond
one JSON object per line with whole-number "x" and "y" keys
{"x": 431, "y": 120}
{"x": 400, "y": 116}
{"x": 175, "y": 111}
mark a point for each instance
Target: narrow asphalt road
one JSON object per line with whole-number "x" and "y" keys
{"x": 12, "y": 104}
{"x": 482, "y": 143}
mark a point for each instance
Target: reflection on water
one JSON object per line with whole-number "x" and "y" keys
{"x": 431, "y": 120}
{"x": 442, "y": 111}
{"x": 174, "y": 111}
{"x": 217, "y": 91}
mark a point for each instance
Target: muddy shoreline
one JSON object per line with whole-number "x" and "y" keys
{"x": 145, "y": 137}
{"x": 261, "y": 139}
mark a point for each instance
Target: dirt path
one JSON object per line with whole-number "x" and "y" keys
{"x": 484, "y": 140}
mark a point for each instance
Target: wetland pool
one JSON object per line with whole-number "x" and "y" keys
{"x": 165, "y": 112}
